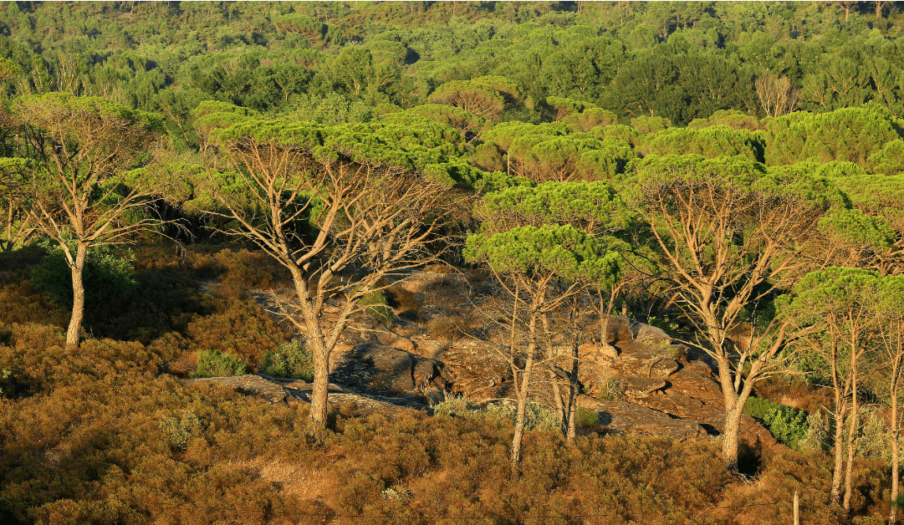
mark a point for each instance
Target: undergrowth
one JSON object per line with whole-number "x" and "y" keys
{"x": 107, "y": 435}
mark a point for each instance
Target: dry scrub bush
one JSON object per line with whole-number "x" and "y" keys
{"x": 405, "y": 303}
{"x": 69, "y": 455}
{"x": 84, "y": 439}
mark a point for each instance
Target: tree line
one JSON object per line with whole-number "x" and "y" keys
{"x": 343, "y": 63}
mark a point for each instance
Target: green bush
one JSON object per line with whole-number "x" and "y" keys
{"x": 874, "y": 439}
{"x": 4, "y": 374}
{"x": 587, "y": 418}
{"x": 612, "y": 390}
{"x": 108, "y": 277}
{"x": 788, "y": 425}
{"x": 213, "y": 363}
{"x": 178, "y": 432}
{"x": 454, "y": 406}
{"x": 291, "y": 360}
{"x": 536, "y": 417}
{"x": 818, "y": 435}
{"x": 377, "y": 306}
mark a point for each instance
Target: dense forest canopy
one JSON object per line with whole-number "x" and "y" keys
{"x": 342, "y": 62}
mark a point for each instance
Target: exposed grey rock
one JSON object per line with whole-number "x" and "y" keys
{"x": 249, "y": 384}
{"x": 390, "y": 371}
{"x": 429, "y": 348}
{"x": 644, "y": 333}
{"x": 619, "y": 329}
{"x": 619, "y": 416}
{"x": 395, "y": 341}
{"x": 642, "y": 386}
{"x": 663, "y": 367}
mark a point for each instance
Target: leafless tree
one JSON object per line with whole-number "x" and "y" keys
{"x": 77, "y": 188}
{"x": 371, "y": 221}
{"x": 726, "y": 249}
{"x": 16, "y": 223}
{"x": 777, "y": 94}
{"x": 890, "y": 352}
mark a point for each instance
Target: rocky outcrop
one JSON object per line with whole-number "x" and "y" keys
{"x": 294, "y": 391}
{"x": 623, "y": 417}
{"x": 384, "y": 370}
{"x": 638, "y": 380}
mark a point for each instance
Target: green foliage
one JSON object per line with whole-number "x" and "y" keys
{"x": 832, "y": 292}
{"x": 290, "y": 360}
{"x": 587, "y": 418}
{"x": 867, "y": 136}
{"x": 612, "y": 390}
{"x": 179, "y": 432}
{"x": 594, "y": 207}
{"x": 819, "y": 433}
{"x": 563, "y": 251}
{"x": 108, "y": 276}
{"x": 376, "y": 304}
{"x": 214, "y": 363}
{"x": 788, "y": 425}
{"x": 331, "y": 109}
{"x": 734, "y": 119}
{"x": 711, "y": 142}
{"x": 4, "y": 375}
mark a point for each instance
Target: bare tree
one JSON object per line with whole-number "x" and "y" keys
{"x": 891, "y": 354}
{"x": 777, "y": 94}
{"x": 729, "y": 246}
{"x": 539, "y": 269}
{"x": 16, "y": 223}
{"x": 841, "y": 304}
{"x": 340, "y": 224}
{"x": 76, "y": 187}
{"x": 847, "y": 6}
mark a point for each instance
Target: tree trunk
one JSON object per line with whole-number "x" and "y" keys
{"x": 522, "y": 401}
{"x": 893, "y": 513}
{"x": 561, "y": 410}
{"x": 552, "y": 355}
{"x": 78, "y": 299}
{"x": 572, "y": 396}
{"x": 572, "y": 432}
{"x": 838, "y": 468}
{"x": 734, "y": 410}
{"x": 319, "y": 406}
{"x": 318, "y": 345}
{"x": 852, "y": 433}
{"x": 604, "y": 330}
{"x": 730, "y": 436}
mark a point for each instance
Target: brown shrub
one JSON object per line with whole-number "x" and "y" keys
{"x": 239, "y": 327}
{"x": 404, "y": 302}
{"x": 81, "y": 438}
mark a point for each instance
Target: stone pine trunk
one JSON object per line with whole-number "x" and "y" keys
{"x": 838, "y": 468}
{"x": 734, "y": 411}
{"x": 319, "y": 406}
{"x": 893, "y": 513}
{"x": 78, "y": 298}
{"x": 521, "y": 413}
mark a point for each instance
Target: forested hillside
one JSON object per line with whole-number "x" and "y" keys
{"x": 343, "y": 62}
{"x": 449, "y": 262}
